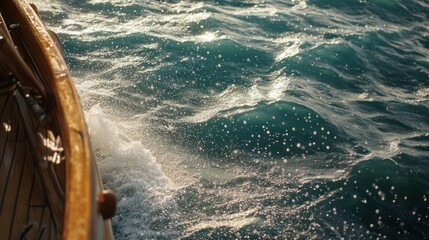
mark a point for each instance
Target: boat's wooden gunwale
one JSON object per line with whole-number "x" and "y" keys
{"x": 82, "y": 181}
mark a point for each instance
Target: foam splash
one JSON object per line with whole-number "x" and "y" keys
{"x": 146, "y": 208}
{"x": 236, "y": 221}
{"x": 234, "y": 100}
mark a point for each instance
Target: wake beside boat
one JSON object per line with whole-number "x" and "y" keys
{"x": 50, "y": 187}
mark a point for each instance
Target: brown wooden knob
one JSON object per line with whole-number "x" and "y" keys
{"x": 106, "y": 204}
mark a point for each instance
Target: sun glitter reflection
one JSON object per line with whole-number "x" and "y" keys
{"x": 207, "y": 37}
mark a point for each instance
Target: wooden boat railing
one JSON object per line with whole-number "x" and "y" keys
{"x": 64, "y": 171}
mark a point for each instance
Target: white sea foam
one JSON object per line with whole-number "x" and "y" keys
{"x": 143, "y": 190}
{"x": 242, "y": 101}
{"x": 292, "y": 44}
{"x": 394, "y": 145}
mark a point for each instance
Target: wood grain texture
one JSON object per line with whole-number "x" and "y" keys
{"x": 24, "y": 209}
{"x": 43, "y": 196}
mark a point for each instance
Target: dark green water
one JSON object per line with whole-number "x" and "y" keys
{"x": 256, "y": 119}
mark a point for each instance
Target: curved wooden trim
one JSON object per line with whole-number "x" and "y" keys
{"x": 82, "y": 183}
{"x": 78, "y": 204}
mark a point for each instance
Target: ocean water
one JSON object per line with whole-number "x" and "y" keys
{"x": 252, "y": 119}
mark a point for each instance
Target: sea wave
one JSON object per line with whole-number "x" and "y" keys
{"x": 256, "y": 119}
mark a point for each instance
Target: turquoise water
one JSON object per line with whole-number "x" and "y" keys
{"x": 256, "y": 119}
